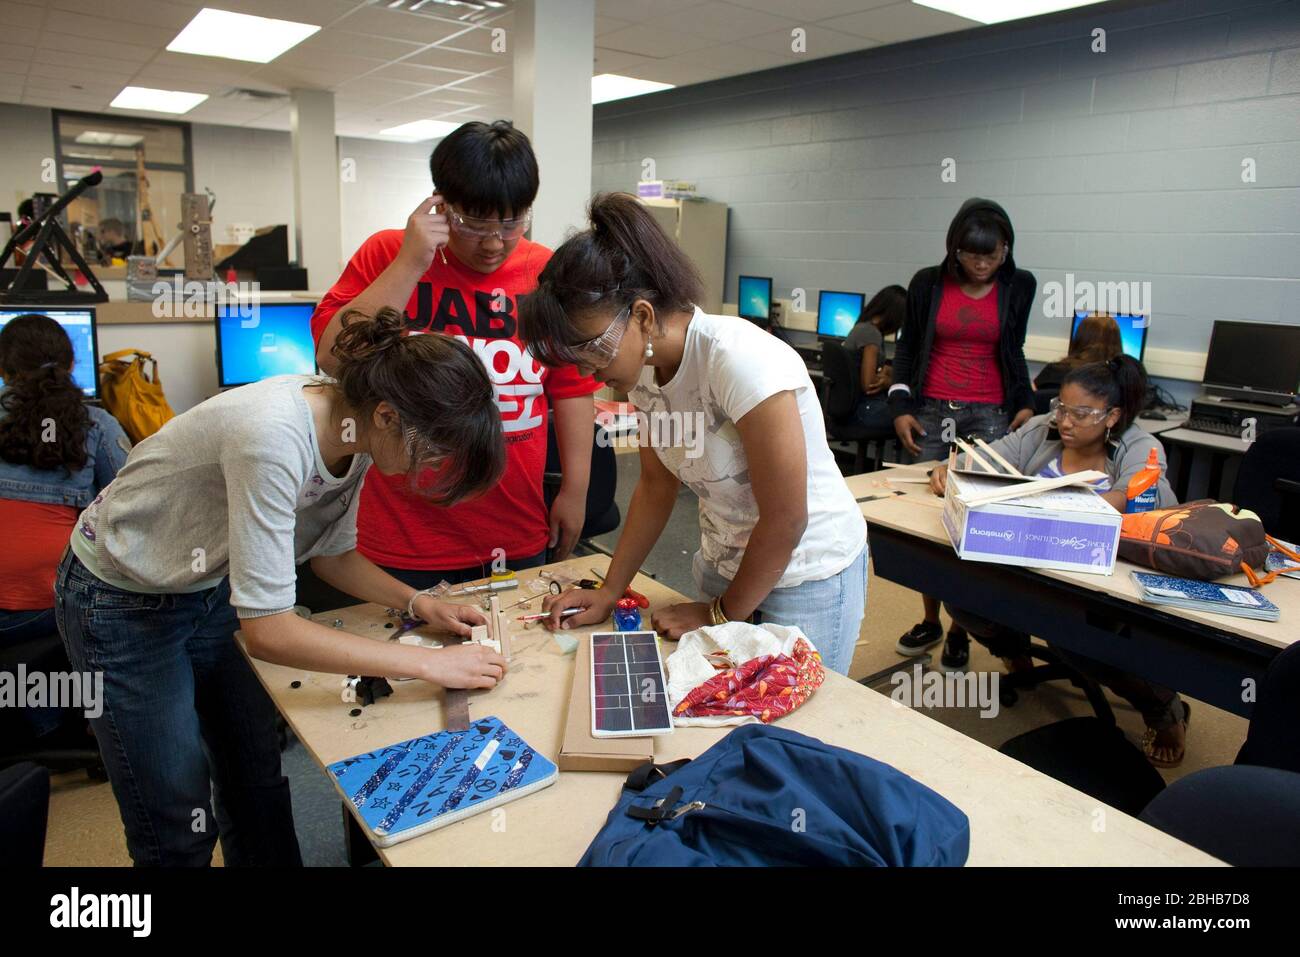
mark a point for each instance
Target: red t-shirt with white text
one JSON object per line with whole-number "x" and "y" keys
{"x": 964, "y": 362}
{"x": 397, "y": 528}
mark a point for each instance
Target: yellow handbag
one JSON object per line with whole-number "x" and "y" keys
{"x": 133, "y": 398}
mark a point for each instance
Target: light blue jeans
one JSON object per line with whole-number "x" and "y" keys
{"x": 829, "y": 611}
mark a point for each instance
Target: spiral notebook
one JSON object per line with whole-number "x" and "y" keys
{"x": 1205, "y": 596}
{"x": 416, "y": 786}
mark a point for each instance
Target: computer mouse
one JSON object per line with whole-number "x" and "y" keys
{"x": 1155, "y": 416}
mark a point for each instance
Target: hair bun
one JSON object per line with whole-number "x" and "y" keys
{"x": 366, "y": 337}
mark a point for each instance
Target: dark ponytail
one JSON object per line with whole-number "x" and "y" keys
{"x": 890, "y": 304}
{"x": 36, "y": 364}
{"x": 623, "y": 257}
{"x": 1120, "y": 381}
{"x": 442, "y": 394}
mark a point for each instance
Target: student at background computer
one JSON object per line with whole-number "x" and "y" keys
{"x": 781, "y": 538}
{"x": 1096, "y": 340}
{"x": 56, "y": 454}
{"x": 1091, "y": 425}
{"x": 459, "y": 269}
{"x": 881, "y": 317}
{"x": 959, "y": 364}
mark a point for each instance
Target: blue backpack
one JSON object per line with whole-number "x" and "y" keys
{"x": 768, "y": 796}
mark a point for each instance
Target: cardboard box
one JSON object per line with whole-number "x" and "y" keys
{"x": 1072, "y": 528}
{"x": 666, "y": 189}
{"x": 583, "y": 751}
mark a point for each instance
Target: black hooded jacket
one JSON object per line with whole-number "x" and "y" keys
{"x": 1015, "y": 292}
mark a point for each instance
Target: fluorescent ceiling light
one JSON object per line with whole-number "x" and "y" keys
{"x": 611, "y": 86}
{"x": 239, "y": 36}
{"x": 157, "y": 101}
{"x": 1000, "y": 11}
{"x": 101, "y": 138}
{"x": 420, "y": 130}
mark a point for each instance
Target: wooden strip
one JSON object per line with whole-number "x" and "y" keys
{"x": 976, "y": 457}
{"x": 993, "y": 454}
{"x": 455, "y": 702}
{"x": 1031, "y": 488}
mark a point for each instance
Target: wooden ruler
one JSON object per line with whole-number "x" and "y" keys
{"x": 455, "y": 702}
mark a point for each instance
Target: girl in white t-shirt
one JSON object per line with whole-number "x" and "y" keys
{"x": 725, "y": 409}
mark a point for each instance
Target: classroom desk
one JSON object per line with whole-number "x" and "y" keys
{"x": 1208, "y": 656}
{"x": 1018, "y": 815}
{"x": 1188, "y": 442}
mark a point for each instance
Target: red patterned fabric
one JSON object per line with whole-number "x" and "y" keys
{"x": 767, "y": 687}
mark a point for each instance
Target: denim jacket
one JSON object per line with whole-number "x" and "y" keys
{"x": 106, "y": 447}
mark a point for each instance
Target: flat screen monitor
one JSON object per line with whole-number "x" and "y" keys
{"x": 1253, "y": 360}
{"x": 838, "y": 312}
{"x": 275, "y": 339}
{"x": 1132, "y": 333}
{"x": 754, "y": 300}
{"x": 79, "y": 324}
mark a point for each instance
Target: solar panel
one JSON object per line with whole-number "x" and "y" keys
{"x": 628, "y": 691}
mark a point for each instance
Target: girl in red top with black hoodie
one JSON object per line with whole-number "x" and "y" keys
{"x": 959, "y": 365}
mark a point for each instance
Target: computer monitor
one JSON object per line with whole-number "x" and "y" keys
{"x": 79, "y": 324}
{"x": 275, "y": 340}
{"x": 754, "y": 299}
{"x": 1132, "y": 333}
{"x": 1253, "y": 361}
{"x": 838, "y": 312}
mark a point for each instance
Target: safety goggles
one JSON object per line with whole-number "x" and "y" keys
{"x": 480, "y": 229}
{"x": 1078, "y": 414}
{"x": 599, "y": 352}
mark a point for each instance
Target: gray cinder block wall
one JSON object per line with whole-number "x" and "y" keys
{"x": 1123, "y": 165}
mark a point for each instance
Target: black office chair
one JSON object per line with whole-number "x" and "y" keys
{"x": 69, "y": 747}
{"x": 602, "y": 511}
{"x": 842, "y": 374}
{"x": 1268, "y": 482}
{"x": 1043, "y": 400}
{"x": 24, "y": 814}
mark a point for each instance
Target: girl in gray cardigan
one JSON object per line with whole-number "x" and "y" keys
{"x": 1091, "y": 426}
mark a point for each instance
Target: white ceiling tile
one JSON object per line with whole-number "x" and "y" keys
{"x": 725, "y": 21}
{"x": 109, "y": 30}
{"x": 818, "y": 42}
{"x": 640, "y": 11}
{"x": 899, "y": 21}
{"x": 616, "y": 61}
{"x": 455, "y": 60}
{"x": 479, "y": 40}
{"x": 341, "y": 41}
{"x": 158, "y": 13}
{"x": 652, "y": 40}
{"x": 423, "y": 75}
{"x": 609, "y": 24}
{"x": 382, "y": 22}
{"x": 811, "y": 10}
{"x": 67, "y": 43}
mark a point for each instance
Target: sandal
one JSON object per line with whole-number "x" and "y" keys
{"x": 1149, "y": 742}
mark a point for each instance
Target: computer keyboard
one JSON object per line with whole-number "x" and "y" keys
{"x": 1214, "y": 426}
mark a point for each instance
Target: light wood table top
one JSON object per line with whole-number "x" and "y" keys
{"x": 918, "y": 512}
{"x": 1018, "y": 815}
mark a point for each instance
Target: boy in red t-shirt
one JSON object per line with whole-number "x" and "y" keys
{"x": 459, "y": 268}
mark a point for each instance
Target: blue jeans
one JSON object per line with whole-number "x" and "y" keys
{"x": 186, "y": 728}
{"x": 872, "y": 412}
{"x": 829, "y": 611}
{"x": 968, "y": 419}
{"x": 17, "y": 627}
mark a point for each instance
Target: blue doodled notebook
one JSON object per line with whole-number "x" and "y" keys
{"x": 409, "y": 788}
{"x": 1205, "y": 596}
{"x": 1277, "y": 562}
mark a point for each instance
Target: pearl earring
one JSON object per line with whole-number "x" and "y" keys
{"x": 649, "y": 349}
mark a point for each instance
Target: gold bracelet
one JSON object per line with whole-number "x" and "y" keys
{"x": 716, "y": 615}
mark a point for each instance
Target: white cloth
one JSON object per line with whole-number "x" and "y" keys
{"x": 728, "y": 367}
{"x": 691, "y": 665}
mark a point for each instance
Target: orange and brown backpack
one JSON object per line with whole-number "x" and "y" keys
{"x": 1206, "y": 540}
